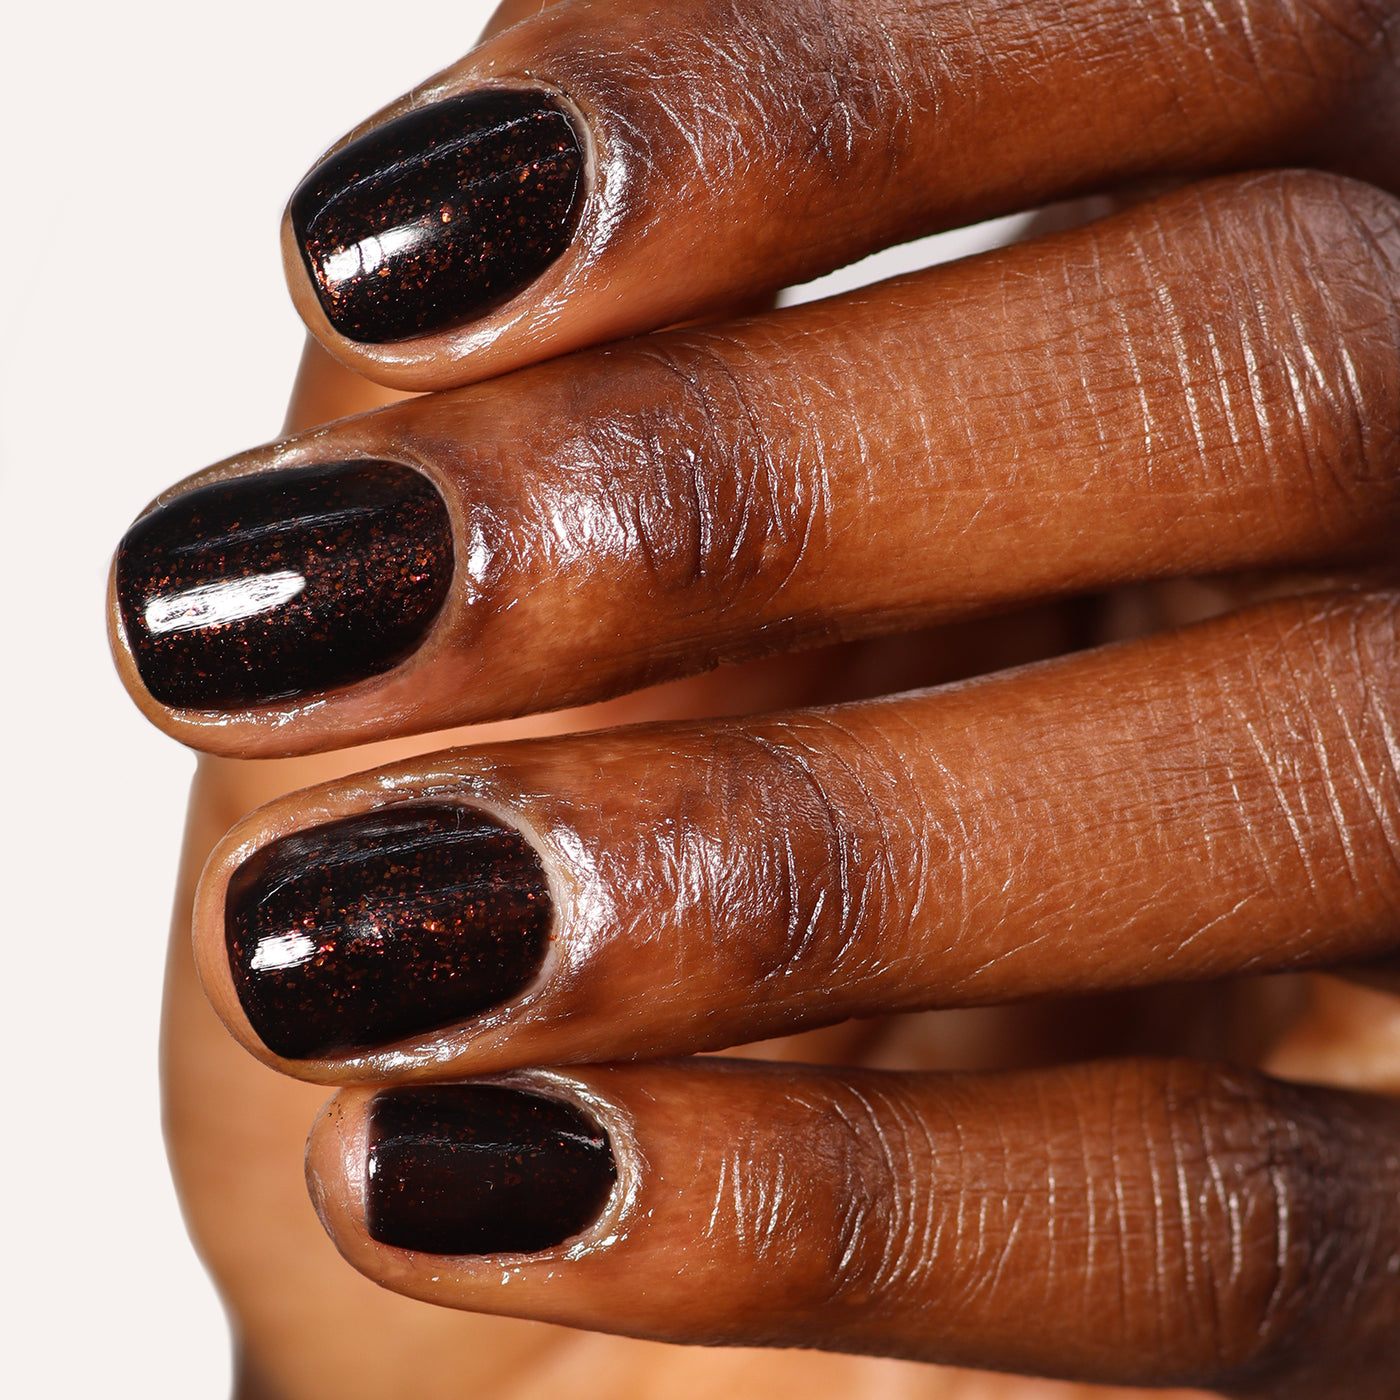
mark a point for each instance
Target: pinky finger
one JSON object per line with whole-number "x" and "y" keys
{"x": 1140, "y": 1222}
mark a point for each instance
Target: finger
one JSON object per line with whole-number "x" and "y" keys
{"x": 1205, "y": 802}
{"x": 1138, "y": 1222}
{"x": 1206, "y": 382}
{"x": 603, "y": 169}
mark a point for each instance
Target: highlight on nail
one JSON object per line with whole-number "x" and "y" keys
{"x": 384, "y": 925}
{"x": 482, "y": 1169}
{"x": 228, "y": 600}
{"x": 284, "y": 583}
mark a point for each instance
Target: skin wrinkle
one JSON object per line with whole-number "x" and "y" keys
{"x": 1374, "y": 22}
{"x": 877, "y": 1175}
{"x": 924, "y": 831}
{"x": 911, "y": 1264}
{"x": 1339, "y": 817}
{"x": 835, "y": 833}
{"x": 1120, "y": 1212}
{"x": 1090, "y": 1272}
{"x": 1344, "y": 821}
{"x": 1382, "y": 805}
{"x": 905, "y": 1144}
{"x": 1366, "y": 275}
{"x": 725, "y": 126}
{"x": 868, "y": 771}
{"x": 732, "y": 538}
{"x": 1200, "y": 1292}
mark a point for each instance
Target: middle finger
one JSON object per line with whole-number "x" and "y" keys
{"x": 1205, "y": 382}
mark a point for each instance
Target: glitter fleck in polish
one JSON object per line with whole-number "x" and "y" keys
{"x": 440, "y": 215}
{"x": 482, "y": 1169}
{"x": 384, "y": 925}
{"x": 275, "y": 585}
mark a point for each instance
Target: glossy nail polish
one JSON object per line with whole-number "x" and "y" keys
{"x": 270, "y": 586}
{"x": 384, "y": 925}
{"x": 439, "y": 215}
{"x": 482, "y": 1169}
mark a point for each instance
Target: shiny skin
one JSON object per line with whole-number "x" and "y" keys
{"x": 1201, "y": 802}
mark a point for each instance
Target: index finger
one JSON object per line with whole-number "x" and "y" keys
{"x": 602, "y": 169}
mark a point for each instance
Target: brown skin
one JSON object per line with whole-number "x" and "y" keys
{"x": 739, "y": 148}
{"x": 747, "y": 877}
{"x": 852, "y": 468}
{"x": 1205, "y": 383}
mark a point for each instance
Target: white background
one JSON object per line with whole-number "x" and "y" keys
{"x": 145, "y": 332}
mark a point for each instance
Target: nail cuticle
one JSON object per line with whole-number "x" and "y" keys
{"x": 629, "y": 1162}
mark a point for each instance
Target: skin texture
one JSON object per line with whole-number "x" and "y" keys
{"x": 851, "y": 467}
{"x": 836, "y": 127}
{"x": 1072, "y": 859}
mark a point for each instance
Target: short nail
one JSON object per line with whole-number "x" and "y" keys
{"x": 269, "y": 586}
{"x": 440, "y": 215}
{"x": 384, "y": 925}
{"x": 482, "y": 1169}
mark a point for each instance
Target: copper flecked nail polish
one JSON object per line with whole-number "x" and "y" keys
{"x": 384, "y": 925}
{"x": 270, "y": 586}
{"x": 482, "y": 1169}
{"x": 439, "y": 215}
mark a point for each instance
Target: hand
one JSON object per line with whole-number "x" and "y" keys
{"x": 1204, "y": 384}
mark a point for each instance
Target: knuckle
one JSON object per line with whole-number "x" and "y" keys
{"x": 1333, "y": 45}
{"x": 879, "y": 1240}
{"x": 797, "y": 855}
{"x": 785, "y": 889}
{"x": 1263, "y": 1221}
{"x": 1318, "y": 318}
{"x": 723, "y": 510}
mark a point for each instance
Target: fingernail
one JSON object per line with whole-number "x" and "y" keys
{"x": 440, "y": 215}
{"x": 268, "y": 586}
{"x": 384, "y": 925}
{"x": 481, "y": 1169}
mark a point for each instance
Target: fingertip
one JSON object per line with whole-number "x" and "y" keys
{"x": 445, "y": 1193}
{"x": 336, "y": 1150}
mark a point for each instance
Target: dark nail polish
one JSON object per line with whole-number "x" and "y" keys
{"x": 384, "y": 925}
{"x": 440, "y": 215}
{"x": 481, "y": 1169}
{"x": 269, "y": 586}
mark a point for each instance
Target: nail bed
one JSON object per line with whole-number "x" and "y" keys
{"x": 482, "y": 1169}
{"x": 270, "y": 586}
{"x": 384, "y": 925}
{"x": 440, "y": 215}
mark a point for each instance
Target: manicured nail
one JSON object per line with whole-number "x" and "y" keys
{"x": 269, "y": 586}
{"x": 481, "y": 1169}
{"x": 384, "y": 925}
{"x": 440, "y": 215}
